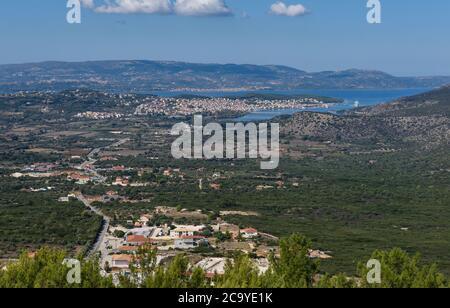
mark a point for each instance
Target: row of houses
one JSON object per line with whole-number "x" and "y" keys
{"x": 182, "y": 237}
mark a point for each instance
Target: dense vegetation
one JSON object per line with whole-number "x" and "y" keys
{"x": 293, "y": 269}
{"x": 29, "y": 221}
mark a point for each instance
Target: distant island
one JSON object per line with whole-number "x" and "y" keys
{"x": 151, "y": 76}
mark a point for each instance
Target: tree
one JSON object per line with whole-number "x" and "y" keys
{"x": 175, "y": 276}
{"x": 340, "y": 281}
{"x": 46, "y": 269}
{"x": 119, "y": 234}
{"x": 399, "y": 270}
{"x": 294, "y": 268}
{"x": 240, "y": 273}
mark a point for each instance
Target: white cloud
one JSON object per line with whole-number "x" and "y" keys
{"x": 88, "y": 3}
{"x": 178, "y": 7}
{"x": 201, "y": 7}
{"x": 135, "y": 6}
{"x": 281, "y": 9}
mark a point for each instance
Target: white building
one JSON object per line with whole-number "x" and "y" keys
{"x": 249, "y": 233}
{"x": 183, "y": 231}
{"x": 121, "y": 262}
{"x": 213, "y": 266}
{"x": 190, "y": 242}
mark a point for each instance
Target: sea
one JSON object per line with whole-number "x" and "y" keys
{"x": 353, "y": 98}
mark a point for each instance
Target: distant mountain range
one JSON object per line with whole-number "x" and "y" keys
{"x": 150, "y": 76}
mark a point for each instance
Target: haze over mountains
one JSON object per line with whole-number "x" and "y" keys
{"x": 149, "y": 76}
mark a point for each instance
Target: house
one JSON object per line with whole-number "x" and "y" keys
{"x": 136, "y": 240}
{"x": 121, "y": 182}
{"x": 63, "y": 199}
{"x": 111, "y": 193}
{"x": 263, "y": 187}
{"x": 215, "y": 186}
{"x": 108, "y": 158}
{"x": 249, "y": 233}
{"x": 213, "y": 266}
{"x": 190, "y": 242}
{"x": 144, "y": 219}
{"x": 80, "y": 178}
{"x": 121, "y": 262}
{"x": 138, "y": 224}
{"x": 182, "y": 231}
{"x": 94, "y": 198}
{"x": 118, "y": 168}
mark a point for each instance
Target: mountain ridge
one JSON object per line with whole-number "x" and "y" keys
{"x": 145, "y": 76}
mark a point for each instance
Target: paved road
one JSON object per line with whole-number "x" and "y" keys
{"x": 106, "y": 220}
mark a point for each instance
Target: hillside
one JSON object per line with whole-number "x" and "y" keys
{"x": 422, "y": 120}
{"x": 148, "y": 76}
{"x": 434, "y": 103}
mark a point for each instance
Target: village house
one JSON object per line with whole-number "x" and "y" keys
{"x": 212, "y": 266}
{"x": 263, "y": 187}
{"x": 190, "y": 242}
{"x": 121, "y": 262}
{"x": 137, "y": 240}
{"x": 144, "y": 219}
{"x": 64, "y": 199}
{"x": 215, "y": 186}
{"x": 118, "y": 168}
{"x": 94, "y": 198}
{"x": 108, "y": 158}
{"x": 121, "y": 182}
{"x": 80, "y": 178}
{"x": 138, "y": 224}
{"x": 249, "y": 233}
{"x": 182, "y": 231}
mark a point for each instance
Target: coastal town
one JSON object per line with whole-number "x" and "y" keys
{"x": 219, "y": 105}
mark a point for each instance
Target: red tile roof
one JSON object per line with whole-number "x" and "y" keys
{"x": 127, "y": 258}
{"x": 137, "y": 239}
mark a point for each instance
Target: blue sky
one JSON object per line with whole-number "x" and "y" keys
{"x": 412, "y": 40}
